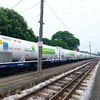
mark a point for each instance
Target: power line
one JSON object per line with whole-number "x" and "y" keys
{"x": 17, "y": 4}
{"x": 52, "y": 10}
{"x": 70, "y": 6}
{"x": 30, "y": 7}
{"x": 57, "y": 16}
{"x": 27, "y": 9}
{"x": 33, "y": 17}
{"x": 67, "y": 7}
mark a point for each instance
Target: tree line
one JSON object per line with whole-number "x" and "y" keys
{"x": 13, "y": 24}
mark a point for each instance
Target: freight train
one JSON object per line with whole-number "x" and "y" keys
{"x": 25, "y": 54}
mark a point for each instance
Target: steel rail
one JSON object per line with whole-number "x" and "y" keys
{"x": 67, "y": 96}
{"x": 56, "y": 96}
{"x": 40, "y": 89}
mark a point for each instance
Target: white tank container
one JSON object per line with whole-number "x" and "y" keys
{"x": 26, "y": 49}
{"x": 29, "y": 50}
{"x": 70, "y": 54}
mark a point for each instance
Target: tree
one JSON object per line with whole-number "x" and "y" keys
{"x": 13, "y": 24}
{"x": 68, "y": 38}
{"x": 59, "y": 43}
{"x": 46, "y": 41}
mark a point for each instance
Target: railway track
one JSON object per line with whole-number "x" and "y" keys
{"x": 63, "y": 87}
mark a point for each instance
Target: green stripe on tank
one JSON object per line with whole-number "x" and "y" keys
{"x": 81, "y": 55}
{"x": 48, "y": 51}
{"x": 72, "y": 54}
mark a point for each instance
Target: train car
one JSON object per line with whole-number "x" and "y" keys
{"x": 25, "y": 54}
{"x": 25, "y": 49}
{"x": 29, "y": 50}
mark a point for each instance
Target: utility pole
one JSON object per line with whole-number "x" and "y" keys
{"x": 40, "y": 43}
{"x": 90, "y": 49}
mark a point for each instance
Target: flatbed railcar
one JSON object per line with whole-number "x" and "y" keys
{"x": 14, "y": 67}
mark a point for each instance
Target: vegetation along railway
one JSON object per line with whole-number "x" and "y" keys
{"x": 16, "y": 55}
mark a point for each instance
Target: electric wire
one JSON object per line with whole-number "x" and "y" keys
{"x": 30, "y": 7}
{"x": 57, "y": 16}
{"x": 68, "y": 7}
{"x": 33, "y": 17}
{"x": 53, "y": 11}
{"x": 17, "y": 4}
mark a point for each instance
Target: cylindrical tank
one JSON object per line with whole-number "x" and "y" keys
{"x": 25, "y": 49}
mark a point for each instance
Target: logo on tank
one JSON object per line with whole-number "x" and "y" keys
{"x": 32, "y": 49}
{"x": 0, "y": 41}
{"x": 5, "y": 46}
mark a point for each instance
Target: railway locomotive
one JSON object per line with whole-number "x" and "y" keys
{"x": 25, "y": 54}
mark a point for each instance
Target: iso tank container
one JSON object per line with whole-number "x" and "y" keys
{"x": 19, "y": 48}
{"x": 66, "y": 54}
{"x": 85, "y": 55}
{"x": 60, "y": 53}
{"x": 50, "y": 52}
{"x": 74, "y": 53}
{"x": 25, "y": 49}
{"x": 70, "y": 54}
{"x": 79, "y": 55}
{"x": 63, "y": 54}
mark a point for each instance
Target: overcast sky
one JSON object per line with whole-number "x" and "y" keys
{"x": 80, "y": 17}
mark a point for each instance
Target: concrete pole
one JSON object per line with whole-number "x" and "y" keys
{"x": 90, "y": 49}
{"x": 40, "y": 43}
